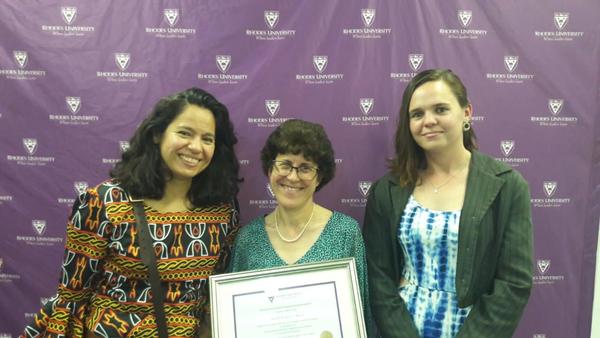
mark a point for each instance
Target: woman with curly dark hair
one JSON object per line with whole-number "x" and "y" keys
{"x": 182, "y": 169}
{"x": 298, "y": 160}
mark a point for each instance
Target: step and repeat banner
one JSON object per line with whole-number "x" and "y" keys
{"x": 77, "y": 77}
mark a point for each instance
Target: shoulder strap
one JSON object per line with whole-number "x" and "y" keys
{"x": 149, "y": 258}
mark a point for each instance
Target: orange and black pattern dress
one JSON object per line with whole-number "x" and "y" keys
{"x": 104, "y": 285}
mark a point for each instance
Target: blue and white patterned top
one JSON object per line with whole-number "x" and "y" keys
{"x": 429, "y": 240}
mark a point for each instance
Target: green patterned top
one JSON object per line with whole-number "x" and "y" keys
{"x": 341, "y": 238}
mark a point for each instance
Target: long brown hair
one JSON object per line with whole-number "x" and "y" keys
{"x": 409, "y": 157}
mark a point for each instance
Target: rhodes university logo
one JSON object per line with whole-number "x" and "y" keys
{"x": 550, "y": 188}
{"x": 122, "y": 60}
{"x": 364, "y": 187}
{"x": 510, "y": 63}
{"x": 73, "y": 103}
{"x": 124, "y": 146}
{"x": 321, "y": 77}
{"x": 367, "y": 15}
{"x": 366, "y": 105}
{"x": 68, "y": 14}
{"x": 463, "y": 30}
{"x": 415, "y": 61}
{"x": 543, "y": 265}
{"x": 271, "y": 18}
{"x": 555, "y": 106}
{"x": 80, "y": 187}
{"x": 20, "y": 57}
{"x": 368, "y": 29}
{"x": 272, "y": 106}
{"x": 171, "y": 16}
{"x": 30, "y": 145}
{"x": 39, "y": 226}
{"x": 560, "y": 20}
{"x": 464, "y": 17}
{"x": 320, "y": 63}
{"x": 507, "y": 147}
{"x": 223, "y": 62}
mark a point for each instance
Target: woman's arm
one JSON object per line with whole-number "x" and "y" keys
{"x": 388, "y": 308}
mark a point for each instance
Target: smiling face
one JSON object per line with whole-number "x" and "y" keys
{"x": 290, "y": 191}
{"x": 436, "y": 118}
{"x": 188, "y": 144}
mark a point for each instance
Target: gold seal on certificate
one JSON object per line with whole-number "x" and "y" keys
{"x": 305, "y": 300}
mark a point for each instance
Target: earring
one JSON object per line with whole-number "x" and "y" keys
{"x": 466, "y": 125}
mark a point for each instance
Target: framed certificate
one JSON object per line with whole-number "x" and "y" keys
{"x": 319, "y": 300}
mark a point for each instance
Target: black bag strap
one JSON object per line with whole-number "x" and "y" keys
{"x": 149, "y": 258}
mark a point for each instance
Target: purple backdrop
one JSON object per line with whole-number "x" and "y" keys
{"x": 77, "y": 77}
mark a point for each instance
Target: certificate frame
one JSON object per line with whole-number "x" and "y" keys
{"x": 289, "y": 301}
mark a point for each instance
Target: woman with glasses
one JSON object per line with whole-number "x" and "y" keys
{"x": 298, "y": 160}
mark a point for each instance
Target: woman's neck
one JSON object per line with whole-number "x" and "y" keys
{"x": 295, "y": 218}
{"x": 175, "y": 197}
{"x": 447, "y": 162}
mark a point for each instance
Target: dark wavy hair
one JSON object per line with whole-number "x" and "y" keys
{"x": 304, "y": 138}
{"x": 409, "y": 157}
{"x": 141, "y": 171}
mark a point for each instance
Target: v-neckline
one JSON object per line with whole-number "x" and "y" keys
{"x": 310, "y": 249}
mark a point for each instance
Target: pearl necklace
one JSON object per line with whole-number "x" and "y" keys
{"x": 301, "y": 232}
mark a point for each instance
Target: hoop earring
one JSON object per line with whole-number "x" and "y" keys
{"x": 466, "y": 125}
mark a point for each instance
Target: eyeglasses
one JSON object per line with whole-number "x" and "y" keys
{"x": 304, "y": 171}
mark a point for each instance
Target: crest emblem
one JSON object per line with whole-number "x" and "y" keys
{"x": 367, "y": 16}
{"x": 550, "y": 188}
{"x": 415, "y": 61}
{"x": 30, "y": 145}
{"x": 543, "y": 265}
{"x": 223, "y": 62}
{"x": 511, "y": 62}
{"x": 39, "y": 226}
{"x": 271, "y": 18}
{"x": 68, "y": 14}
{"x": 20, "y": 57}
{"x": 366, "y": 105}
{"x": 124, "y": 145}
{"x": 74, "y": 103}
{"x": 171, "y": 16}
{"x": 272, "y": 107}
{"x": 122, "y": 60}
{"x": 555, "y": 106}
{"x": 270, "y": 191}
{"x": 320, "y": 62}
{"x": 80, "y": 187}
{"x": 507, "y": 147}
{"x": 561, "y": 19}
{"x": 364, "y": 186}
{"x": 465, "y": 17}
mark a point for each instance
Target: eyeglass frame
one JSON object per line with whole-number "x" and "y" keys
{"x": 287, "y": 163}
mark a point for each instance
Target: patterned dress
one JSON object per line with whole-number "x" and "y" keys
{"x": 340, "y": 238}
{"x": 429, "y": 240}
{"x": 103, "y": 285}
